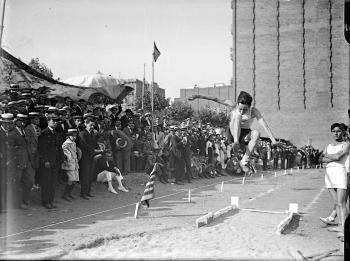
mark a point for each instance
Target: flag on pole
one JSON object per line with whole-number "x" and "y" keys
{"x": 156, "y": 52}
{"x": 149, "y": 189}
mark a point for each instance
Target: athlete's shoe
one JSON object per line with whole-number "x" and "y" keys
{"x": 336, "y": 229}
{"x": 122, "y": 188}
{"x": 112, "y": 190}
{"x": 329, "y": 221}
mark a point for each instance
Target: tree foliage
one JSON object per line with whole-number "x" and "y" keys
{"x": 214, "y": 117}
{"x": 40, "y": 67}
{"x": 180, "y": 111}
{"x": 160, "y": 103}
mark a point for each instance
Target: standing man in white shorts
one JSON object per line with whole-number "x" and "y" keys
{"x": 242, "y": 116}
{"x": 335, "y": 155}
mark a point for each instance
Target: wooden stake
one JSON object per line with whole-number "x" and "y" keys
{"x": 189, "y": 196}
{"x": 222, "y": 186}
{"x": 262, "y": 176}
{"x": 243, "y": 180}
{"x": 235, "y": 202}
{"x": 137, "y": 209}
{"x": 275, "y": 174}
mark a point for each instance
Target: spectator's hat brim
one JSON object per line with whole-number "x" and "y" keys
{"x": 72, "y": 131}
{"x": 7, "y": 118}
{"x": 21, "y": 117}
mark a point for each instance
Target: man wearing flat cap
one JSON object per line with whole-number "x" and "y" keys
{"x": 115, "y": 110}
{"x": 6, "y": 122}
{"x": 22, "y": 168}
{"x": 50, "y": 159}
{"x": 146, "y": 120}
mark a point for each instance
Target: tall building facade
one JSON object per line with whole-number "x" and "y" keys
{"x": 292, "y": 57}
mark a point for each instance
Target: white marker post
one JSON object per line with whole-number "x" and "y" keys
{"x": 291, "y": 170}
{"x": 243, "y": 180}
{"x": 222, "y": 186}
{"x": 189, "y": 196}
{"x": 275, "y": 174}
{"x": 298, "y": 168}
{"x": 293, "y": 208}
{"x": 137, "y": 209}
{"x": 262, "y": 176}
{"x": 285, "y": 172}
{"x": 235, "y": 202}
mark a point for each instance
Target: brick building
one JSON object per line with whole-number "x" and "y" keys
{"x": 292, "y": 57}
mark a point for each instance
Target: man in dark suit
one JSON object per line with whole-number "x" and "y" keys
{"x": 128, "y": 130}
{"x": 6, "y": 122}
{"x": 50, "y": 159}
{"x": 33, "y": 132}
{"x": 88, "y": 146}
{"x": 115, "y": 111}
{"x": 176, "y": 152}
{"x": 22, "y": 168}
{"x": 126, "y": 118}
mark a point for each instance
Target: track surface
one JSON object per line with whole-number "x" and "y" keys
{"x": 104, "y": 227}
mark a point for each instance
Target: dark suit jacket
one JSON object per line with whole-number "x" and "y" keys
{"x": 19, "y": 150}
{"x": 87, "y": 144}
{"x": 4, "y": 156}
{"x": 32, "y": 141}
{"x": 50, "y": 148}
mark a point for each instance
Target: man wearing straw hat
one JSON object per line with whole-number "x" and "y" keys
{"x": 22, "y": 167}
{"x": 50, "y": 159}
{"x": 6, "y": 122}
{"x": 88, "y": 145}
{"x": 33, "y": 132}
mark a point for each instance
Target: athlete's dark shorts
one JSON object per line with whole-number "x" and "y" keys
{"x": 244, "y": 133}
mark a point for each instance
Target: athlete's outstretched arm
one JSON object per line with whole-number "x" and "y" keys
{"x": 227, "y": 103}
{"x": 263, "y": 123}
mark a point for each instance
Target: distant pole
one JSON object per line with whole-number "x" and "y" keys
{"x": 2, "y": 22}
{"x": 152, "y": 92}
{"x": 143, "y": 86}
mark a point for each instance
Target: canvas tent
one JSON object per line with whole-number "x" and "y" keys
{"x": 14, "y": 71}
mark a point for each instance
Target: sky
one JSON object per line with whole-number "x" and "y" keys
{"x": 80, "y": 37}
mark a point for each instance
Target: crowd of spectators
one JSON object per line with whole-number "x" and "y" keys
{"x": 46, "y": 141}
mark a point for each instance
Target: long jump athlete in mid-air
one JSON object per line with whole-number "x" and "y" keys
{"x": 242, "y": 116}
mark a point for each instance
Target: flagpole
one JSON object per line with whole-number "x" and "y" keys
{"x": 143, "y": 85}
{"x": 152, "y": 92}
{"x": 2, "y": 22}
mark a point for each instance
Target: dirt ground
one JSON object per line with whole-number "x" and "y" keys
{"x": 104, "y": 227}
